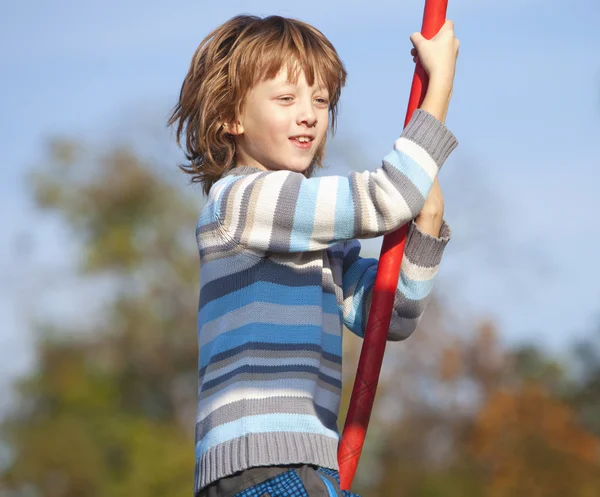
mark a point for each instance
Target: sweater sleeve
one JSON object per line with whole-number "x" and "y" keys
{"x": 420, "y": 265}
{"x": 283, "y": 211}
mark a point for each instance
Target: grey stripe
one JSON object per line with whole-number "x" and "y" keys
{"x": 219, "y": 251}
{"x": 298, "y": 373}
{"x": 283, "y": 217}
{"x": 272, "y": 405}
{"x": 381, "y": 210}
{"x": 269, "y": 313}
{"x": 407, "y": 308}
{"x": 243, "y": 213}
{"x": 406, "y": 188}
{"x": 366, "y": 304}
{"x": 254, "y": 346}
{"x": 336, "y": 251}
{"x": 242, "y": 171}
{"x": 366, "y": 309}
{"x": 351, "y": 255}
{"x": 225, "y": 206}
{"x": 266, "y": 372}
{"x": 432, "y": 135}
{"x": 208, "y": 227}
{"x": 232, "y": 261}
{"x": 333, "y": 362}
{"x": 212, "y": 238}
{"x": 358, "y": 210}
{"x": 328, "y": 280}
{"x": 424, "y": 250}
{"x": 265, "y": 271}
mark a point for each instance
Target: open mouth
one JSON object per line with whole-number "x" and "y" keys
{"x": 302, "y": 141}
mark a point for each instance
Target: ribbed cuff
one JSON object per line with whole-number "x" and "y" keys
{"x": 265, "y": 449}
{"x": 424, "y": 249}
{"x": 432, "y": 135}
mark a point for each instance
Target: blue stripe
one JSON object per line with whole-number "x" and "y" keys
{"x": 356, "y": 271}
{"x": 264, "y": 423}
{"x": 304, "y": 217}
{"x": 208, "y": 213}
{"x": 355, "y": 319}
{"x": 266, "y": 291}
{"x": 414, "y": 290}
{"x": 270, "y": 333}
{"x": 411, "y": 169}
{"x": 362, "y": 273}
{"x": 344, "y": 211}
{"x": 329, "y": 485}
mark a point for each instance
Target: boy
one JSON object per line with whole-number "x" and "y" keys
{"x": 280, "y": 266}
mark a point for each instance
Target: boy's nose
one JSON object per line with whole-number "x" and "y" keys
{"x": 307, "y": 115}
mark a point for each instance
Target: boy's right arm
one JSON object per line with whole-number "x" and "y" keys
{"x": 282, "y": 211}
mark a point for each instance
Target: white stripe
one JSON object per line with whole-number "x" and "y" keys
{"x": 324, "y": 223}
{"x": 387, "y": 193}
{"x": 369, "y": 218}
{"x": 262, "y": 222}
{"x": 217, "y": 189}
{"x": 328, "y": 276}
{"x": 247, "y": 390}
{"x": 297, "y": 260}
{"x": 210, "y": 239}
{"x": 415, "y": 272}
{"x": 419, "y": 154}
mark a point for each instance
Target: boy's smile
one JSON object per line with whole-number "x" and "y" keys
{"x": 303, "y": 141}
{"x": 282, "y": 124}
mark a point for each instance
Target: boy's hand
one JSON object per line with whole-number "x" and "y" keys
{"x": 438, "y": 55}
{"x": 431, "y": 216}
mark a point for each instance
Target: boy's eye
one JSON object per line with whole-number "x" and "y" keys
{"x": 286, "y": 99}
{"x": 323, "y": 101}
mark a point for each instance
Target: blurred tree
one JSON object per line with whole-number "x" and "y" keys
{"x": 585, "y": 392}
{"x": 110, "y": 409}
{"x": 530, "y": 363}
{"x": 467, "y": 417}
{"x": 531, "y": 444}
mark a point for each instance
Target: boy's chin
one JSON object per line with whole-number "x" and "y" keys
{"x": 298, "y": 168}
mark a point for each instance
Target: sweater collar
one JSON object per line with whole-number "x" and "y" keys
{"x": 243, "y": 170}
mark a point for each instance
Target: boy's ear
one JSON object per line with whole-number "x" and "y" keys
{"x": 235, "y": 128}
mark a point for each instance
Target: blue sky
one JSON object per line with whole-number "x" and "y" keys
{"x": 520, "y": 190}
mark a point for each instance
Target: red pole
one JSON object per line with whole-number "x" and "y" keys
{"x": 371, "y": 357}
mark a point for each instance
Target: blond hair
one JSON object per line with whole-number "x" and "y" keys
{"x": 226, "y": 65}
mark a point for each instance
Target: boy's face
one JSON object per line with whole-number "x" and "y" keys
{"x": 276, "y": 115}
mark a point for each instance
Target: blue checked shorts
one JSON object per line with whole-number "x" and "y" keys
{"x": 304, "y": 481}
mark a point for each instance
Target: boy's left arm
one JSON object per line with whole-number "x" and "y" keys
{"x": 426, "y": 240}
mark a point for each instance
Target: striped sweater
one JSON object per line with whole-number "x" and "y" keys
{"x": 281, "y": 273}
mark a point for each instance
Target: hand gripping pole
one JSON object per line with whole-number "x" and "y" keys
{"x": 371, "y": 357}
